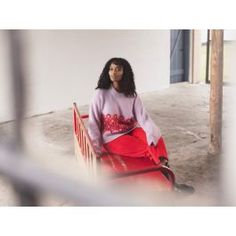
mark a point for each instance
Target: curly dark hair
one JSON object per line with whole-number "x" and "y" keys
{"x": 126, "y": 85}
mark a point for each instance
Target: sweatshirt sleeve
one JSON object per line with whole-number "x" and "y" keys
{"x": 94, "y": 123}
{"x": 152, "y": 131}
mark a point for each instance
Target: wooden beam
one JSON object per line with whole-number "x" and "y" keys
{"x": 216, "y": 92}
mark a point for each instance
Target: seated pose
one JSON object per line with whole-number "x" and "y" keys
{"x": 118, "y": 121}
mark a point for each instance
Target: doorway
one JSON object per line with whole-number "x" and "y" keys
{"x": 179, "y": 56}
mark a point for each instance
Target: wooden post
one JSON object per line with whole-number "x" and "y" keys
{"x": 216, "y": 92}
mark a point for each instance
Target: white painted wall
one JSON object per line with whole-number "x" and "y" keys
{"x": 64, "y": 65}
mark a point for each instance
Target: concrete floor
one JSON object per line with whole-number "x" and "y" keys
{"x": 181, "y": 112}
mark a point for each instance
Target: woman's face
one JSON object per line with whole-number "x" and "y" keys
{"x": 116, "y": 73}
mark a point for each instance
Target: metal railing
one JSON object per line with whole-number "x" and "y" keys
{"x": 83, "y": 144}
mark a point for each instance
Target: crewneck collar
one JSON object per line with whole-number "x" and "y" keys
{"x": 114, "y": 91}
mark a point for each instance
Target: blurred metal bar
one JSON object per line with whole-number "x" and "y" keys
{"x": 27, "y": 196}
{"x": 18, "y": 86}
{"x": 24, "y": 172}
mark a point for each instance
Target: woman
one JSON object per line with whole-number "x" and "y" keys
{"x": 118, "y": 122}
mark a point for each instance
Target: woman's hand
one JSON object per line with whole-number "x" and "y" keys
{"x": 101, "y": 154}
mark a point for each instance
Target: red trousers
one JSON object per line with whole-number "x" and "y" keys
{"x": 134, "y": 144}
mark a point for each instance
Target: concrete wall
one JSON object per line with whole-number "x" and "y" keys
{"x": 64, "y": 65}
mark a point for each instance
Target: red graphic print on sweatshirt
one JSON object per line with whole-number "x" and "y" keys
{"x": 115, "y": 123}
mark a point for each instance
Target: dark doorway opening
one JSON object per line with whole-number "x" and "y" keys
{"x": 179, "y": 56}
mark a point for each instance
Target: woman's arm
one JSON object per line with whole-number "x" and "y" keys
{"x": 154, "y": 138}
{"x": 94, "y": 123}
{"x": 152, "y": 131}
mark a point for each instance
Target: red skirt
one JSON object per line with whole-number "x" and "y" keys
{"x": 134, "y": 144}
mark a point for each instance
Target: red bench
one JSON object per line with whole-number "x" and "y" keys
{"x": 118, "y": 168}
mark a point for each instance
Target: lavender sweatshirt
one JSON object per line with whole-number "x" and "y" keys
{"x": 112, "y": 114}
